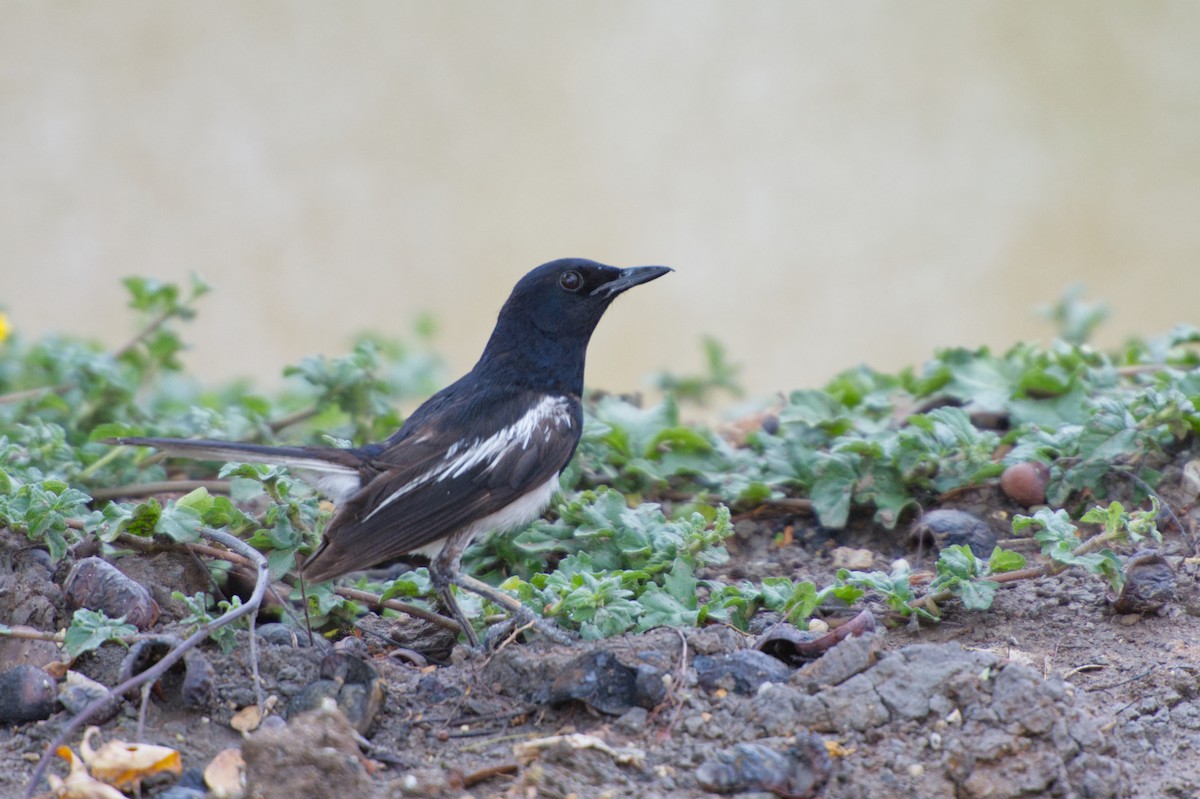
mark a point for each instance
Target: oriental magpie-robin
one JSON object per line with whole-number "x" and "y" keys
{"x": 482, "y": 454}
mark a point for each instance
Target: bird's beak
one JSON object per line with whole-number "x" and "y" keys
{"x": 628, "y": 278}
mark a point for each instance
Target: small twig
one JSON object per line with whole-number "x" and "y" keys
{"x": 293, "y": 418}
{"x": 145, "y": 332}
{"x": 259, "y": 698}
{"x": 499, "y": 739}
{"x": 1118, "y": 684}
{"x": 14, "y": 397}
{"x": 484, "y": 774}
{"x": 789, "y": 503}
{"x": 98, "y": 464}
{"x": 929, "y": 601}
{"x": 57, "y": 638}
{"x": 676, "y": 681}
{"x": 165, "y": 487}
{"x": 152, "y": 674}
{"x": 513, "y": 636}
{"x": 31, "y": 635}
{"x": 1081, "y": 669}
{"x": 374, "y": 600}
{"x": 1132, "y": 370}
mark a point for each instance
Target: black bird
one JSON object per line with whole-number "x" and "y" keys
{"x": 482, "y": 454}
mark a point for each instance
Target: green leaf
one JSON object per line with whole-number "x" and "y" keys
{"x": 977, "y": 594}
{"x": 180, "y": 522}
{"x": 681, "y": 583}
{"x": 958, "y": 561}
{"x": 1005, "y": 560}
{"x": 90, "y": 629}
{"x": 833, "y": 490}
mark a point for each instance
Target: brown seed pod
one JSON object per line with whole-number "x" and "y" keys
{"x": 1025, "y": 483}
{"x": 96, "y": 584}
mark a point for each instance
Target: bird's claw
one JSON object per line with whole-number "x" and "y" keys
{"x": 498, "y": 633}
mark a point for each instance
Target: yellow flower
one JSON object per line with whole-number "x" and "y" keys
{"x": 5, "y": 327}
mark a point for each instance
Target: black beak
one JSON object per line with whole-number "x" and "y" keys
{"x": 628, "y": 278}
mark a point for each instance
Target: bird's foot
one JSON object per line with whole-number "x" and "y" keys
{"x": 522, "y": 621}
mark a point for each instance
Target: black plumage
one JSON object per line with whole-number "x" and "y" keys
{"x": 482, "y": 454}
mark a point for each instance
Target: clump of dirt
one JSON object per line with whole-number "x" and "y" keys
{"x": 305, "y": 757}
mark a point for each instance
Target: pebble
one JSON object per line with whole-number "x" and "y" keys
{"x": 600, "y": 680}
{"x": 355, "y": 687}
{"x": 26, "y": 694}
{"x": 741, "y": 672}
{"x": 96, "y": 584}
{"x": 942, "y": 528}
{"x": 801, "y": 770}
{"x": 1149, "y": 584}
{"x": 282, "y": 634}
{"x": 79, "y": 691}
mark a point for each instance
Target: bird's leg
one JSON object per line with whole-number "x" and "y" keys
{"x": 442, "y": 582}
{"x": 521, "y": 614}
{"x": 444, "y": 570}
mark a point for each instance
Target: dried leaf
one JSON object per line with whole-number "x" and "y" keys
{"x": 250, "y": 717}
{"x": 79, "y": 784}
{"x": 528, "y": 751}
{"x": 225, "y": 776}
{"x": 125, "y": 765}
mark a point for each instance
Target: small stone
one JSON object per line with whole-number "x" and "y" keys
{"x": 282, "y": 761}
{"x": 354, "y": 686}
{"x": 79, "y": 691}
{"x": 850, "y": 558}
{"x": 942, "y": 528}
{"x": 633, "y": 721}
{"x": 96, "y": 584}
{"x": 1149, "y": 584}
{"x": 694, "y": 724}
{"x": 27, "y": 651}
{"x": 802, "y": 770}
{"x": 741, "y": 672}
{"x": 603, "y": 682}
{"x": 26, "y": 694}
{"x": 282, "y": 635}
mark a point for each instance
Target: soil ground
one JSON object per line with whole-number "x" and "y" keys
{"x": 1049, "y": 693}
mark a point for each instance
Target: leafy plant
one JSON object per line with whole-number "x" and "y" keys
{"x": 646, "y": 502}
{"x": 91, "y": 629}
{"x": 199, "y": 616}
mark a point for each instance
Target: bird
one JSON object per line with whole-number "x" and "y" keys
{"x": 483, "y": 454}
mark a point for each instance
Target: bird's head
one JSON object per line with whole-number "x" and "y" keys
{"x": 544, "y": 327}
{"x": 567, "y": 297}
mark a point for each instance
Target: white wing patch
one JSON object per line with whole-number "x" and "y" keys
{"x": 515, "y": 514}
{"x": 463, "y": 456}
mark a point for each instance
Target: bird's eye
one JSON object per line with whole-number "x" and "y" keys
{"x": 571, "y": 280}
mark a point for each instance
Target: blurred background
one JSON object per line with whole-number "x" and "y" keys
{"x": 834, "y": 183}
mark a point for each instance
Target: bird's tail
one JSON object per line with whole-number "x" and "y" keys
{"x": 318, "y": 459}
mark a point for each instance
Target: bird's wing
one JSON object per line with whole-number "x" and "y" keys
{"x": 435, "y": 481}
